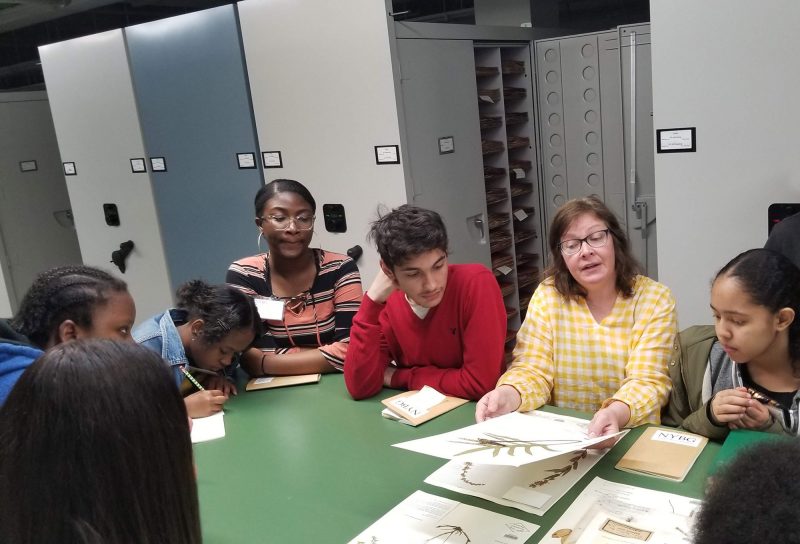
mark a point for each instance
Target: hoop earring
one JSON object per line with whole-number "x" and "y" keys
{"x": 258, "y": 240}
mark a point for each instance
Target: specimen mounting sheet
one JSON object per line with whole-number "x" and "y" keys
{"x": 611, "y": 513}
{"x": 533, "y": 488}
{"x": 514, "y": 439}
{"x": 423, "y": 518}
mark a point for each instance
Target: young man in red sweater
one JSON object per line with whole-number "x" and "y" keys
{"x": 422, "y": 321}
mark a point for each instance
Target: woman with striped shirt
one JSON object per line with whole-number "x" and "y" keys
{"x": 597, "y": 335}
{"x": 306, "y": 297}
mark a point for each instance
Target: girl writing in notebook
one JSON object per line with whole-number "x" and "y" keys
{"x": 744, "y": 372}
{"x": 200, "y": 339}
{"x": 309, "y": 296}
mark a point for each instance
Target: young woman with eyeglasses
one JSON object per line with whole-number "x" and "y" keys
{"x": 597, "y": 335}
{"x": 744, "y": 372}
{"x": 306, "y": 297}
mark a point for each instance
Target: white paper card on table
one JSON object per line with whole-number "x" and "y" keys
{"x": 418, "y": 404}
{"x": 610, "y": 513}
{"x": 520, "y": 215}
{"x": 269, "y": 308}
{"x": 513, "y": 439}
{"x": 424, "y": 518}
{"x": 523, "y": 495}
{"x": 261, "y": 381}
{"x": 208, "y": 428}
{"x": 551, "y": 478}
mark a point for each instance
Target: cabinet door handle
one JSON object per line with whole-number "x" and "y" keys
{"x": 478, "y": 222}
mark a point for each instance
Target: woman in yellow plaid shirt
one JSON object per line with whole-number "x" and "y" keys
{"x": 597, "y": 335}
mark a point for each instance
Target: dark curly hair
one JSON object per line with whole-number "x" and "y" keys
{"x": 772, "y": 281}
{"x": 282, "y": 186}
{"x": 626, "y": 264}
{"x": 406, "y": 232}
{"x": 755, "y": 498}
{"x": 223, "y": 308}
{"x": 61, "y": 293}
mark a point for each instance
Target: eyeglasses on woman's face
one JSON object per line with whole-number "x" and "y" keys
{"x": 283, "y": 222}
{"x": 572, "y": 246}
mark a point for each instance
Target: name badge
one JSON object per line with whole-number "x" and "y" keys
{"x": 269, "y": 308}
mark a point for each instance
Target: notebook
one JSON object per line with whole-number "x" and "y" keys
{"x": 663, "y": 453}
{"x": 271, "y": 382}
{"x": 416, "y": 407}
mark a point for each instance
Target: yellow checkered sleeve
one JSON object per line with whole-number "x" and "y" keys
{"x": 565, "y": 358}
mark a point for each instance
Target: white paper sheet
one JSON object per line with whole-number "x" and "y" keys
{"x": 423, "y": 518}
{"x": 533, "y": 488}
{"x": 611, "y": 513}
{"x": 208, "y": 428}
{"x": 514, "y": 439}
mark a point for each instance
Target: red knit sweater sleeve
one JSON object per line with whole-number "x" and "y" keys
{"x": 483, "y": 322}
{"x": 368, "y": 355}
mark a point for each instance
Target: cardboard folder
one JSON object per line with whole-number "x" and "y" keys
{"x": 408, "y": 416}
{"x": 271, "y": 382}
{"x": 663, "y": 453}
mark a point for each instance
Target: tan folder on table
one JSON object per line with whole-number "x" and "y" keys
{"x": 404, "y": 416}
{"x": 271, "y": 382}
{"x": 664, "y": 453}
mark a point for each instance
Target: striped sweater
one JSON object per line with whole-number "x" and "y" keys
{"x": 320, "y": 319}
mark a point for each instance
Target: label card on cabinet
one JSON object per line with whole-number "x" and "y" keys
{"x": 138, "y": 166}
{"x": 27, "y": 166}
{"x": 520, "y": 215}
{"x": 158, "y": 164}
{"x": 676, "y": 140}
{"x": 246, "y": 160}
{"x": 272, "y": 159}
{"x": 69, "y": 169}
{"x": 387, "y": 154}
{"x": 446, "y": 145}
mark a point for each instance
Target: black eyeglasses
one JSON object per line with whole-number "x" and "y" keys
{"x": 573, "y": 245}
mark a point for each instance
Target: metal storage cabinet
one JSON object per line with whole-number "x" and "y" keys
{"x": 593, "y": 140}
{"x": 174, "y": 88}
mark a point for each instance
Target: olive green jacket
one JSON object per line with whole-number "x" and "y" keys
{"x": 687, "y": 369}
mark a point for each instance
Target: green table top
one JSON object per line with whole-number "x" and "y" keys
{"x": 309, "y": 464}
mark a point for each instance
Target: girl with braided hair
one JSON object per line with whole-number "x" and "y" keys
{"x": 201, "y": 339}
{"x": 63, "y": 303}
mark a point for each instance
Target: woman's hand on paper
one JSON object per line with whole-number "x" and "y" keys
{"x": 609, "y": 420}
{"x": 497, "y": 402}
{"x": 205, "y": 403}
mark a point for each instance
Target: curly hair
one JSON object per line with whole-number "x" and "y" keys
{"x": 406, "y": 232}
{"x": 772, "y": 281}
{"x": 223, "y": 309}
{"x": 627, "y": 267}
{"x": 65, "y": 292}
{"x": 755, "y": 498}
{"x": 96, "y": 435}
